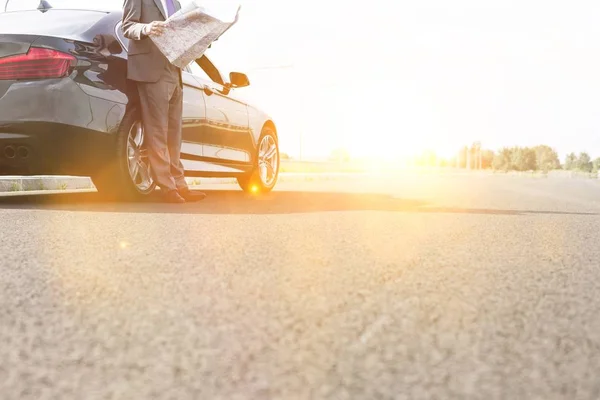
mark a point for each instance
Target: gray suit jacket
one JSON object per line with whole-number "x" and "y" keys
{"x": 145, "y": 62}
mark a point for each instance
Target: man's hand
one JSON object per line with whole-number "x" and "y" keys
{"x": 155, "y": 28}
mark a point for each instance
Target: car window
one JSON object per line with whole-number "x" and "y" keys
{"x": 198, "y": 72}
{"x": 211, "y": 70}
{"x": 206, "y": 70}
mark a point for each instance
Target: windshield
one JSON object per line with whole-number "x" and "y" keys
{"x": 20, "y": 5}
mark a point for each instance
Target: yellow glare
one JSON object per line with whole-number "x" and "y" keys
{"x": 254, "y": 189}
{"x": 124, "y": 245}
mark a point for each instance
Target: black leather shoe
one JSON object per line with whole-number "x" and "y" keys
{"x": 191, "y": 195}
{"x": 172, "y": 196}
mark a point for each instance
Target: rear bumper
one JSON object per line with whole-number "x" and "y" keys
{"x": 54, "y": 127}
{"x": 49, "y": 148}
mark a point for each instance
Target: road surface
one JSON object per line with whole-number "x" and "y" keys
{"x": 402, "y": 287}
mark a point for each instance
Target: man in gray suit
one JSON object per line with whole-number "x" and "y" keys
{"x": 160, "y": 90}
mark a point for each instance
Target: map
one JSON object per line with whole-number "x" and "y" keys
{"x": 190, "y": 31}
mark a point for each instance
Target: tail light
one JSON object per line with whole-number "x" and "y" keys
{"x": 36, "y": 64}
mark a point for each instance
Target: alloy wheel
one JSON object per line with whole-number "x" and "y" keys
{"x": 137, "y": 159}
{"x": 268, "y": 160}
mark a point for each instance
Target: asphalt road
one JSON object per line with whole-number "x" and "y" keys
{"x": 406, "y": 287}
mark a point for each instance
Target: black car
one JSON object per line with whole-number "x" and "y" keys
{"x": 67, "y": 108}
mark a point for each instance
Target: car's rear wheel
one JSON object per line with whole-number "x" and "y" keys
{"x": 127, "y": 174}
{"x": 266, "y": 169}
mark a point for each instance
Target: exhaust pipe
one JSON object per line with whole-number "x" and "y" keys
{"x": 23, "y": 152}
{"x": 10, "y": 152}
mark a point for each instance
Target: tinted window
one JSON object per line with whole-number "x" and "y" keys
{"x": 198, "y": 71}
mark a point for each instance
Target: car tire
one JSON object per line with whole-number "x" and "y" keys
{"x": 116, "y": 178}
{"x": 265, "y": 173}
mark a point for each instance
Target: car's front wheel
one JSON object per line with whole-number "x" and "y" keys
{"x": 127, "y": 174}
{"x": 266, "y": 168}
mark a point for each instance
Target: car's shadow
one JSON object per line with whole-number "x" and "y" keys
{"x": 237, "y": 202}
{"x": 218, "y": 202}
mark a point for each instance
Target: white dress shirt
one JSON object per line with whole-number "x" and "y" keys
{"x": 164, "y": 4}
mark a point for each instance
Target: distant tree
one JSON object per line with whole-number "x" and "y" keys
{"x": 596, "y": 164}
{"x": 570, "y": 162}
{"x": 487, "y": 159}
{"x": 462, "y": 157}
{"x": 546, "y": 158}
{"x": 284, "y": 156}
{"x": 452, "y": 162}
{"x": 428, "y": 158}
{"x": 340, "y": 155}
{"x": 523, "y": 159}
{"x": 474, "y": 152}
{"x": 502, "y": 160}
{"x": 584, "y": 162}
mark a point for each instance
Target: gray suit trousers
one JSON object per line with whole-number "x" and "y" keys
{"x": 162, "y": 108}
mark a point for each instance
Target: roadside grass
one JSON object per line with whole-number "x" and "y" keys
{"x": 299, "y": 167}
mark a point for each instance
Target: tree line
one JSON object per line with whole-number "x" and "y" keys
{"x": 538, "y": 158}
{"x": 541, "y": 158}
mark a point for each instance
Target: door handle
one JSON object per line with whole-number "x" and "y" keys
{"x": 208, "y": 91}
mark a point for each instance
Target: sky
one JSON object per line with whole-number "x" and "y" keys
{"x": 387, "y": 78}
{"x": 394, "y": 77}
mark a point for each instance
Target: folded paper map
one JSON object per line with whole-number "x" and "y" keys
{"x": 190, "y": 31}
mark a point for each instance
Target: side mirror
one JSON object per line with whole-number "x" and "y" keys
{"x": 238, "y": 80}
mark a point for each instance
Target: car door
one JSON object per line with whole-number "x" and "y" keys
{"x": 194, "y": 117}
{"x": 226, "y": 135}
